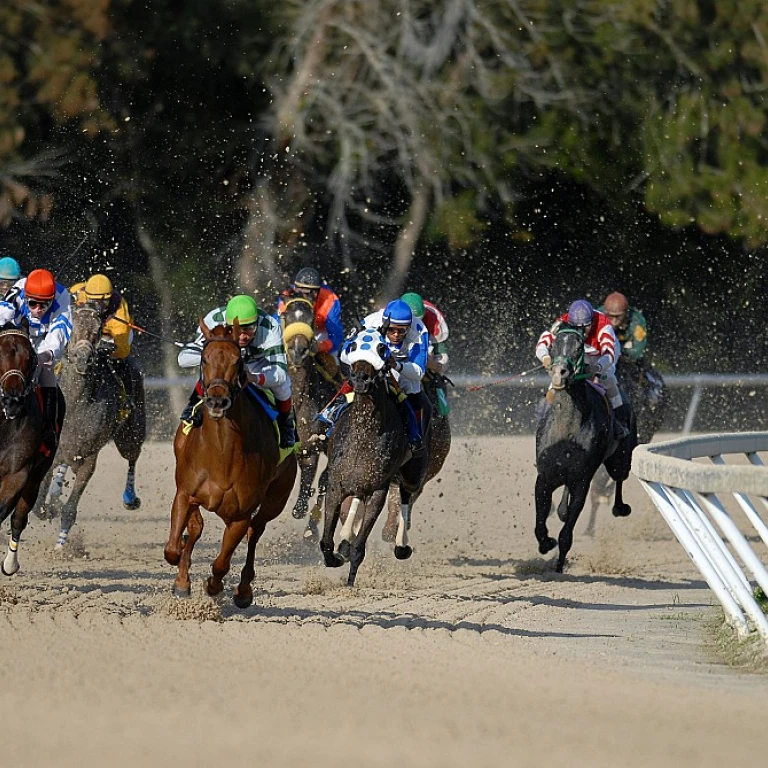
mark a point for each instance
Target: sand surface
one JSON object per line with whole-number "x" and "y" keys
{"x": 474, "y": 652}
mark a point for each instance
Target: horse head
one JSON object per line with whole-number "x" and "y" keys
{"x": 86, "y": 334}
{"x": 18, "y": 363}
{"x": 221, "y": 368}
{"x": 368, "y": 357}
{"x": 567, "y": 357}
{"x": 298, "y": 320}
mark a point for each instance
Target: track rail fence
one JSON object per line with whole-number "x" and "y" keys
{"x": 687, "y": 494}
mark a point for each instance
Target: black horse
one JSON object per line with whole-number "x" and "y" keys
{"x": 368, "y": 450}
{"x": 312, "y": 387}
{"x": 574, "y": 437}
{"x": 649, "y": 404}
{"x": 100, "y": 410}
{"x": 23, "y": 459}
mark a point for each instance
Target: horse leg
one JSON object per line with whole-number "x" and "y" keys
{"x": 83, "y": 474}
{"x": 311, "y": 531}
{"x": 402, "y": 549}
{"x": 348, "y": 529}
{"x": 620, "y": 508}
{"x": 233, "y": 535}
{"x": 308, "y": 468}
{"x": 19, "y": 520}
{"x": 130, "y": 499}
{"x": 543, "y": 496}
{"x": 181, "y": 509}
{"x": 578, "y": 497}
{"x": 182, "y": 586}
{"x": 275, "y": 498}
{"x": 562, "y": 507}
{"x": 49, "y": 505}
{"x": 357, "y": 551}
{"x": 389, "y": 531}
{"x": 332, "y": 511}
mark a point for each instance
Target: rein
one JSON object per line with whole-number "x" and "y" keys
{"x": 577, "y": 366}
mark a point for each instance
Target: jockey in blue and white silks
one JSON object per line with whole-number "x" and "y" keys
{"x": 408, "y": 340}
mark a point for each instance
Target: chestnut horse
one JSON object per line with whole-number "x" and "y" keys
{"x": 22, "y": 463}
{"x": 230, "y": 465}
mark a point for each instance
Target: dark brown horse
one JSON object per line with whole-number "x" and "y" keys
{"x": 312, "y": 387}
{"x": 368, "y": 451}
{"x": 439, "y": 448}
{"x": 22, "y": 463}
{"x": 100, "y": 410}
{"x": 230, "y": 465}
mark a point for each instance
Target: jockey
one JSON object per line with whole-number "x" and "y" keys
{"x": 117, "y": 335}
{"x": 601, "y": 348}
{"x": 329, "y": 331}
{"x": 10, "y": 274}
{"x": 408, "y": 340}
{"x": 631, "y": 330}
{"x": 45, "y": 305}
{"x": 262, "y": 349}
{"x": 437, "y": 328}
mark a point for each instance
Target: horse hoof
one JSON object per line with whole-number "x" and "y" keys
{"x": 299, "y": 513}
{"x": 332, "y": 560}
{"x": 243, "y": 602}
{"x": 211, "y": 590}
{"x": 343, "y": 550}
{"x": 403, "y": 553}
{"x": 133, "y": 503}
{"x": 547, "y": 545}
{"x": 9, "y": 572}
{"x": 388, "y": 534}
{"x": 181, "y": 594}
{"x": 622, "y": 510}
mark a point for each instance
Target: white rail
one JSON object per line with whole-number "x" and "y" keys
{"x": 686, "y": 495}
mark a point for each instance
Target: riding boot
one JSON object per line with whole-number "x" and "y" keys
{"x": 50, "y": 436}
{"x": 413, "y": 420}
{"x": 192, "y": 415}
{"x": 327, "y": 417}
{"x": 287, "y": 427}
{"x": 621, "y": 422}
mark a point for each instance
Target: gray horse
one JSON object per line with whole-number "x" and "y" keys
{"x": 99, "y": 409}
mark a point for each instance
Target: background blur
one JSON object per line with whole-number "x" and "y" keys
{"x": 501, "y": 158}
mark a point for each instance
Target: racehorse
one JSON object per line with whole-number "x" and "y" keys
{"x": 649, "y": 408}
{"x": 312, "y": 386}
{"x": 439, "y": 448}
{"x": 368, "y": 451}
{"x": 574, "y": 437}
{"x": 100, "y": 410}
{"x": 23, "y": 462}
{"x": 229, "y": 465}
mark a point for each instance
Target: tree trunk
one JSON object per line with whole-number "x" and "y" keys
{"x": 407, "y": 239}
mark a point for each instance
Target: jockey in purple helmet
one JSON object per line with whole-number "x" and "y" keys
{"x": 601, "y": 350}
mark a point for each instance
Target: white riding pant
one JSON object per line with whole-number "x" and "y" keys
{"x": 607, "y": 379}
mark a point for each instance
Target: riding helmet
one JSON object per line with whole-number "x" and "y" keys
{"x": 307, "y": 277}
{"x": 580, "y": 313}
{"x": 242, "y": 308}
{"x": 415, "y": 302}
{"x": 40, "y": 285}
{"x": 397, "y": 312}
{"x": 616, "y": 303}
{"x": 9, "y": 268}
{"x": 98, "y": 287}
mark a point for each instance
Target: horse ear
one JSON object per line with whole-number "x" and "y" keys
{"x": 235, "y": 328}
{"x": 24, "y": 325}
{"x": 382, "y": 350}
{"x": 204, "y": 329}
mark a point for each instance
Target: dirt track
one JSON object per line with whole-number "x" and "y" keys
{"x": 472, "y": 653}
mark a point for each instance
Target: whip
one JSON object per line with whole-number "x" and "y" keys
{"x": 505, "y": 379}
{"x": 139, "y": 329}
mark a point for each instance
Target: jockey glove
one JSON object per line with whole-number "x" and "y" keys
{"x": 45, "y": 357}
{"x": 257, "y": 378}
{"x": 546, "y": 361}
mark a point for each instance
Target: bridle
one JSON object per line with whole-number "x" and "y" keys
{"x": 28, "y": 381}
{"x": 362, "y": 381}
{"x": 575, "y": 367}
{"x": 84, "y": 361}
{"x": 233, "y": 388}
